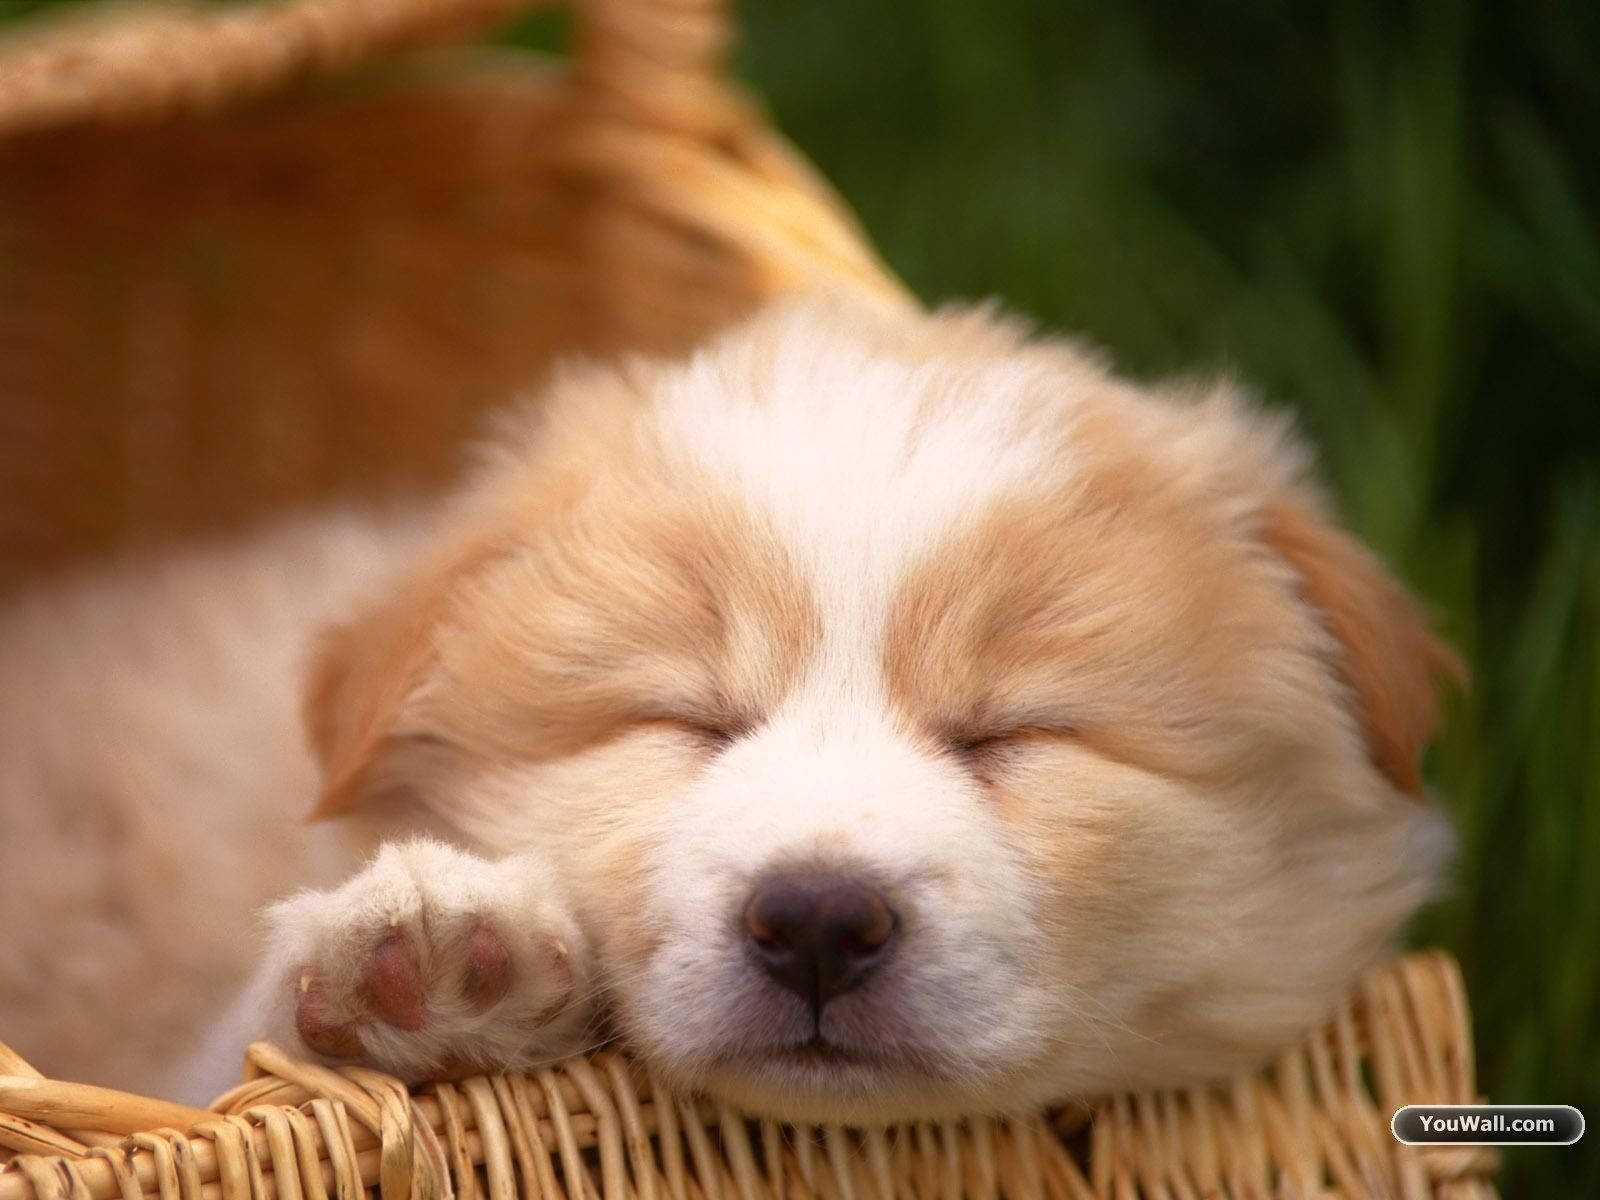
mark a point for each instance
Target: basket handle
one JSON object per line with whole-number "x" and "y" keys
{"x": 157, "y": 60}
{"x": 661, "y": 59}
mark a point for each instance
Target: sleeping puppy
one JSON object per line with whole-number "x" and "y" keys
{"x": 873, "y": 716}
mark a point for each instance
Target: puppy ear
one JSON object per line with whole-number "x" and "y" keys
{"x": 364, "y": 671}
{"x": 1389, "y": 658}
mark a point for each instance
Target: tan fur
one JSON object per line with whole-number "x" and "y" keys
{"x": 1143, "y": 551}
{"x": 1389, "y": 658}
{"x": 676, "y": 613}
{"x": 364, "y": 671}
{"x": 1074, "y": 671}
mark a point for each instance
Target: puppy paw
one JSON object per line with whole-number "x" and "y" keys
{"x": 433, "y": 962}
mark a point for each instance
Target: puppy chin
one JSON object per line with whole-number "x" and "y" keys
{"x": 762, "y": 1052}
{"x": 815, "y": 1081}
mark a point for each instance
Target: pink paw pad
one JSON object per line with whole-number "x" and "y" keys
{"x": 488, "y": 975}
{"x": 316, "y": 1026}
{"x": 392, "y": 987}
{"x": 392, "y": 990}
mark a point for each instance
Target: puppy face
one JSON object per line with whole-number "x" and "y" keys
{"x": 923, "y": 719}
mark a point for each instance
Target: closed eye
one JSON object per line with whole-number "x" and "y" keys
{"x": 981, "y": 745}
{"x": 970, "y": 744}
{"x": 716, "y": 734}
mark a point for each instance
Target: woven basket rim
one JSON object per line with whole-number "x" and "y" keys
{"x": 152, "y": 60}
{"x": 605, "y": 1126}
{"x": 676, "y": 141}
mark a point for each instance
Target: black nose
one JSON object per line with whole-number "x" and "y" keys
{"x": 818, "y": 934}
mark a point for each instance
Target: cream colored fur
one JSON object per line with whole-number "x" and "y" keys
{"x": 1077, "y": 673}
{"x": 154, "y": 786}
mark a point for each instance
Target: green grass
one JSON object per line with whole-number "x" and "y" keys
{"x": 1385, "y": 216}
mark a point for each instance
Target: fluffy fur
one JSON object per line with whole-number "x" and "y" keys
{"x": 1078, "y": 674}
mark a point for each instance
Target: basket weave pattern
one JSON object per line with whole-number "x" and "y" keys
{"x": 601, "y": 1128}
{"x": 260, "y": 256}
{"x": 255, "y": 257}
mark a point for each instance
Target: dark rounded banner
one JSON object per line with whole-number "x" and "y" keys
{"x": 1487, "y": 1124}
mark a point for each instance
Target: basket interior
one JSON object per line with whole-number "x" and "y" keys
{"x": 254, "y": 261}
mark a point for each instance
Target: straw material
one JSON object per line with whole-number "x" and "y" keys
{"x": 1316, "y": 1124}
{"x": 261, "y": 256}
{"x": 256, "y": 257}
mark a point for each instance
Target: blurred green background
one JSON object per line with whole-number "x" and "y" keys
{"x": 1384, "y": 216}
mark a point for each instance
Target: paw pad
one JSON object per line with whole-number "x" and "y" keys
{"x": 392, "y": 987}
{"x": 488, "y": 975}
{"x": 432, "y": 962}
{"x": 393, "y": 990}
{"x": 317, "y": 1027}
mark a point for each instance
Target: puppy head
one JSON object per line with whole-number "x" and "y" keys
{"x": 923, "y": 719}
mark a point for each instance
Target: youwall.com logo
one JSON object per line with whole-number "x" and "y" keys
{"x": 1488, "y": 1125}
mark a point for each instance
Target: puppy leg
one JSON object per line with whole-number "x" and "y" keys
{"x": 429, "y": 962}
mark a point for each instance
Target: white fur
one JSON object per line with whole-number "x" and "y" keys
{"x": 862, "y": 461}
{"x": 1132, "y": 926}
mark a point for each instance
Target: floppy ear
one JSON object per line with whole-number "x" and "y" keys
{"x": 364, "y": 671}
{"x": 1390, "y": 660}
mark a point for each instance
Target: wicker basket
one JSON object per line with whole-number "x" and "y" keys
{"x": 255, "y": 257}
{"x": 1314, "y": 1126}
